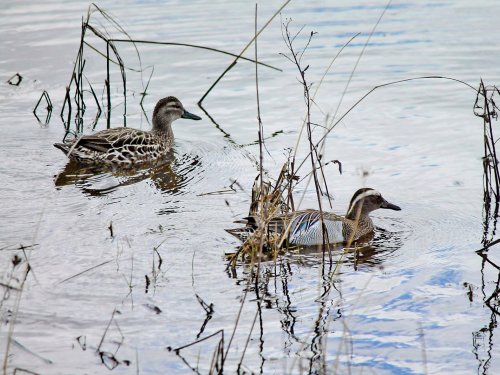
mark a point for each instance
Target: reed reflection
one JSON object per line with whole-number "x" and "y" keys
{"x": 308, "y": 317}
{"x": 483, "y": 338}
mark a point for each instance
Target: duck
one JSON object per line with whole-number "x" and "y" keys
{"x": 304, "y": 227}
{"x": 128, "y": 146}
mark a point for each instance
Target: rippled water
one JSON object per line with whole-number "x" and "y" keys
{"x": 127, "y": 262}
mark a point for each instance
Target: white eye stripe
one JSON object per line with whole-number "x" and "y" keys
{"x": 173, "y": 105}
{"x": 362, "y": 196}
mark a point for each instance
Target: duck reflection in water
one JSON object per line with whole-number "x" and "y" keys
{"x": 379, "y": 246}
{"x": 169, "y": 176}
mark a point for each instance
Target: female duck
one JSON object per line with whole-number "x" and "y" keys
{"x": 127, "y": 146}
{"x": 304, "y": 227}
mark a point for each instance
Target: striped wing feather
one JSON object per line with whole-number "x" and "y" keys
{"x": 108, "y": 139}
{"x": 304, "y": 227}
{"x": 120, "y": 145}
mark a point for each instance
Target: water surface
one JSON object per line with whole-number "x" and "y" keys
{"x": 411, "y": 303}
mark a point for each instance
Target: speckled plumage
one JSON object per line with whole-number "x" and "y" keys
{"x": 305, "y": 228}
{"x": 128, "y": 146}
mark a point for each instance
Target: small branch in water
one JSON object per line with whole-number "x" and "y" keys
{"x": 148, "y": 282}
{"x": 48, "y": 102}
{"x": 21, "y": 346}
{"x": 15, "y": 80}
{"x": 177, "y": 350}
{"x": 229, "y": 190}
{"x": 19, "y": 247}
{"x": 314, "y": 156}
{"x": 209, "y": 311}
{"x": 85, "y": 271}
{"x": 22, "y": 371}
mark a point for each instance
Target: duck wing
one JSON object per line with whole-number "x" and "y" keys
{"x": 301, "y": 227}
{"x": 109, "y": 139}
{"x": 94, "y": 143}
{"x": 306, "y": 228}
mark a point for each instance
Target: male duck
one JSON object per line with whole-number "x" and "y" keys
{"x": 127, "y": 146}
{"x": 304, "y": 227}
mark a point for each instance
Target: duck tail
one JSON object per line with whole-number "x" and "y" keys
{"x": 63, "y": 147}
{"x": 242, "y": 233}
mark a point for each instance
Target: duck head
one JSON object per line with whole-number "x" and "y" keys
{"x": 366, "y": 200}
{"x": 168, "y": 110}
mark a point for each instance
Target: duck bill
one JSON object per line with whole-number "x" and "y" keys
{"x": 190, "y": 116}
{"x": 390, "y": 206}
